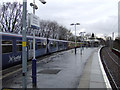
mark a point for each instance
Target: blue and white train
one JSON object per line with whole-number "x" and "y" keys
{"x": 12, "y": 47}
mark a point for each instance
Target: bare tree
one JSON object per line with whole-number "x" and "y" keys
{"x": 48, "y": 28}
{"x": 11, "y": 17}
{"x": 69, "y": 35}
{"x": 43, "y": 27}
{"x": 53, "y": 28}
{"x": 63, "y": 33}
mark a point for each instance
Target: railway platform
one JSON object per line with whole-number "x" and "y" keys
{"x": 66, "y": 70}
{"x": 93, "y": 75}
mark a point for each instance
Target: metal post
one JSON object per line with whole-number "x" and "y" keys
{"x": 34, "y": 77}
{"x": 119, "y": 19}
{"x": 75, "y": 34}
{"x": 75, "y": 38}
{"x": 24, "y": 49}
{"x": 82, "y": 40}
{"x": 34, "y": 7}
{"x": 81, "y": 43}
{"x": 112, "y": 39}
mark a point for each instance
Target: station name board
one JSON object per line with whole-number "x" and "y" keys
{"x": 33, "y": 21}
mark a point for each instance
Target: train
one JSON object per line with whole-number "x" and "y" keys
{"x": 12, "y": 47}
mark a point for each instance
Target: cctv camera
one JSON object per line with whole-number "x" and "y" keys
{"x": 35, "y": 7}
{"x": 31, "y": 4}
{"x": 43, "y": 1}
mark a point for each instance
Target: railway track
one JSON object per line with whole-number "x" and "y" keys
{"x": 111, "y": 63}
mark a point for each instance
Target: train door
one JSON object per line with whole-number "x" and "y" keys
{"x": 57, "y": 46}
{"x": 30, "y": 49}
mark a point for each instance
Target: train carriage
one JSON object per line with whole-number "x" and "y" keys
{"x": 41, "y": 46}
{"x": 12, "y": 48}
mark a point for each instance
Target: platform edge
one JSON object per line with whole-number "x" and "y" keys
{"x": 103, "y": 71}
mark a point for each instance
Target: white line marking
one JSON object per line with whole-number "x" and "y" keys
{"x": 103, "y": 72}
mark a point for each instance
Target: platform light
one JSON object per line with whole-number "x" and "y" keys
{"x": 75, "y": 33}
{"x": 43, "y": 1}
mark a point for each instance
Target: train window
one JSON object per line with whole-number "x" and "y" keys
{"x": 55, "y": 44}
{"x": 38, "y": 45}
{"x": 69, "y": 44}
{"x": 6, "y": 46}
{"x": 60, "y": 44}
{"x": 51, "y": 44}
{"x": 30, "y": 44}
{"x": 19, "y": 45}
{"x": 64, "y": 44}
{"x": 44, "y": 44}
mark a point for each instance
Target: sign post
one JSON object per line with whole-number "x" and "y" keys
{"x": 34, "y": 24}
{"x": 24, "y": 52}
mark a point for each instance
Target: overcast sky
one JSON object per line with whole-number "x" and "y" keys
{"x": 95, "y": 16}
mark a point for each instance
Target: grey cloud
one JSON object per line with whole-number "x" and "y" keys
{"x": 90, "y": 13}
{"x": 104, "y": 26}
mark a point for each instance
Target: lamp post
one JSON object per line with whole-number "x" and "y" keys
{"x": 34, "y": 77}
{"x": 112, "y": 39}
{"x": 82, "y": 34}
{"x": 75, "y": 33}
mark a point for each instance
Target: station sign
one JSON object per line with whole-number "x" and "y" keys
{"x": 33, "y": 21}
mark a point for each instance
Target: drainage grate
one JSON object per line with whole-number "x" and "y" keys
{"x": 49, "y": 71}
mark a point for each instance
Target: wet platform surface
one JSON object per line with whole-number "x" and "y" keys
{"x": 93, "y": 75}
{"x": 65, "y": 70}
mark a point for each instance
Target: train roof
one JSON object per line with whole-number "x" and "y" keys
{"x": 92, "y": 40}
{"x": 19, "y": 35}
